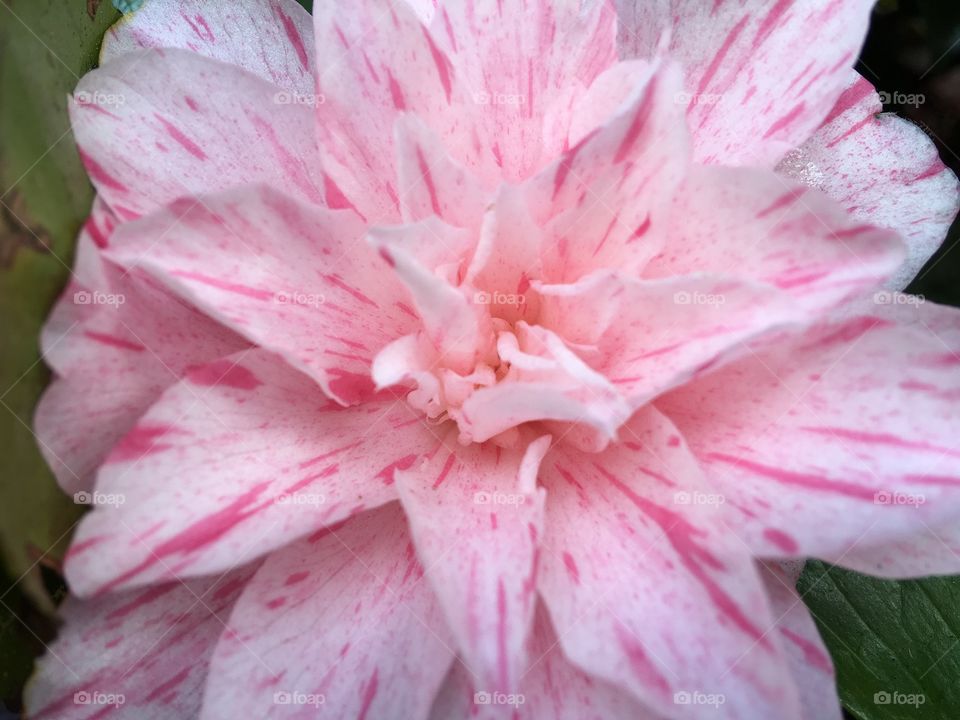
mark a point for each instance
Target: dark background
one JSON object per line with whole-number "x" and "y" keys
{"x": 913, "y": 48}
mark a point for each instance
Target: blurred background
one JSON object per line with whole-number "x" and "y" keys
{"x": 913, "y": 50}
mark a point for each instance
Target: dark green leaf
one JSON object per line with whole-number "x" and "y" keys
{"x": 894, "y": 643}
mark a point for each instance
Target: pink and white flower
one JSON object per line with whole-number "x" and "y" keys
{"x": 485, "y": 359}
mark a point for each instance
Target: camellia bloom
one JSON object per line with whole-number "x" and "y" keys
{"x": 486, "y": 359}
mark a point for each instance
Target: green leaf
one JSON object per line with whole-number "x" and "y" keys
{"x": 45, "y": 46}
{"x": 891, "y": 641}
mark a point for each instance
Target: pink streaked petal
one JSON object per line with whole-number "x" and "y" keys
{"x": 271, "y": 39}
{"x": 756, "y": 54}
{"x": 551, "y": 687}
{"x": 252, "y": 456}
{"x": 647, "y": 586}
{"x": 151, "y": 647}
{"x": 884, "y": 170}
{"x": 430, "y": 182}
{"x": 546, "y": 381}
{"x": 293, "y": 279}
{"x": 809, "y": 661}
{"x": 524, "y": 64}
{"x": 381, "y": 58}
{"x": 671, "y": 330}
{"x": 425, "y": 257}
{"x": 808, "y": 440}
{"x": 115, "y": 347}
{"x": 605, "y": 202}
{"x": 345, "y": 618}
{"x": 476, "y": 519}
{"x": 507, "y": 256}
{"x": 181, "y": 123}
{"x": 775, "y": 231}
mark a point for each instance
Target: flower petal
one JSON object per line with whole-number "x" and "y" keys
{"x": 883, "y": 170}
{"x": 606, "y": 201}
{"x": 340, "y": 624}
{"x": 476, "y": 518}
{"x": 240, "y": 457}
{"x": 524, "y": 64}
{"x": 646, "y": 585}
{"x": 809, "y": 441}
{"x": 115, "y": 346}
{"x": 787, "y": 60}
{"x": 666, "y": 331}
{"x": 271, "y": 39}
{"x": 757, "y": 225}
{"x": 810, "y": 663}
{"x": 546, "y": 381}
{"x": 551, "y": 687}
{"x": 138, "y": 654}
{"x": 155, "y": 125}
{"x": 293, "y": 279}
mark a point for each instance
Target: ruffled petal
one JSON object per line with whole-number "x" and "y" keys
{"x": 476, "y": 520}
{"x": 272, "y": 39}
{"x": 648, "y": 587}
{"x": 136, "y": 655}
{"x": 550, "y": 687}
{"x": 809, "y": 661}
{"x": 239, "y": 458}
{"x": 883, "y": 170}
{"x": 757, "y": 225}
{"x": 787, "y": 61}
{"x": 842, "y": 437}
{"x": 291, "y": 278}
{"x": 156, "y": 125}
{"x": 340, "y": 624}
